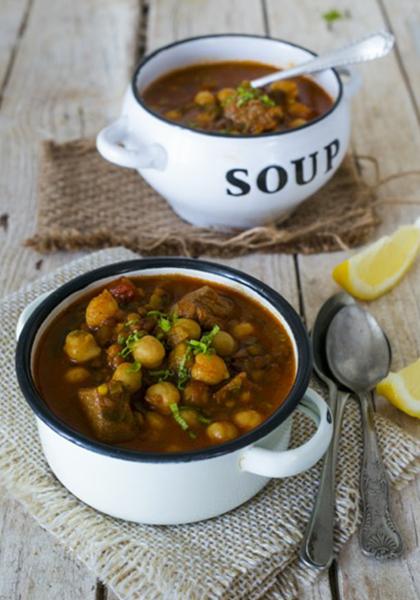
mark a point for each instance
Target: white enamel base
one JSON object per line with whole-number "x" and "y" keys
{"x": 154, "y": 493}
{"x": 197, "y": 173}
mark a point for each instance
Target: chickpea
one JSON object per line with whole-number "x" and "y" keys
{"x": 257, "y": 375}
{"x": 286, "y": 86}
{"x": 173, "y": 115}
{"x": 196, "y": 393}
{"x": 222, "y": 431}
{"x": 224, "y": 94}
{"x": 155, "y": 420}
{"x": 243, "y": 330}
{"x": 77, "y": 375}
{"x": 129, "y": 377}
{"x": 162, "y": 395}
{"x": 190, "y": 416}
{"x": 182, "y": 330}
{"x": 297, "y": 109}
{"x": 113, "y": 356}
{"x": 100, "y": 309}
{"x": 297, "y": 123}
{"x": 224, "y": 344}
{"x": 209, "y": 368}
{"x": 248, "y": 419}
{"x": 204, "y": 98}
{"x": 177, "y": 356}
{"x": 148, "y": 351}
{"x": 80, "y": 346}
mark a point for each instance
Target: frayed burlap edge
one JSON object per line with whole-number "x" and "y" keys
{"x": 59, "y": 513}
{"x": 316, "y": 226}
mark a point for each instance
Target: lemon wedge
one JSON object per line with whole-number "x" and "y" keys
{"x": 379, "y": 267}
{"x": 402, "y": 389}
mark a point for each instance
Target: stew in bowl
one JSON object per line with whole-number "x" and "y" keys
{"x": 164, "y": 364}
{"x": 218, "y": 97}
{"x": 162, "y": 387}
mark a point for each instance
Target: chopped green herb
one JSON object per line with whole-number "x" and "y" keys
{"x": 121, "y": 340}
{"x": 162, "y": 374}
{"x": 183, "y": 372}
{"x": 245, "y": 93}
{"x": 132, "y": 322}
{"x": 164, "y": 322}
{"x": 265, "y": 99}
{"x": 203, "y": 346}
{"x": 203, "y": 420}
{"x": 135, "y": 367}
{"x": 191, "y": 434}
{"x": 332, "y": 15}
{"x": 129, "y": 342}
{"x": 178, "y": 417}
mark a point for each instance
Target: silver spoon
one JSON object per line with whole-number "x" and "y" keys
{"x": 371, "y": 47}
{"x": 359, "y": 355}
{"x": 317, "y": 547}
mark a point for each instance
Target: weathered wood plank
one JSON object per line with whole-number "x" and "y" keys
{"x": 170, "y": 20}
{"x": 14, "y": 15}
{"x": 75, "y": 84}
{"x": 405, "y": 24}
{"x": 396, "y": 146}
{"x": 71, "y": 62}
{"x": 32, "y": 565}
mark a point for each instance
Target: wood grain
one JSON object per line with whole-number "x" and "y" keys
{"x": 397, "y": 147}
{"x": 67, "y": 64}
{"x": 69, "y": 81}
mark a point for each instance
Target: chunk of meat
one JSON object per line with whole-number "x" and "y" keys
{"x": 108, "y": 410}
{"x": 100, "y": 309}
{"x": 254, "y": 116}
{"x": 232, "y": 388}
{"x": 123, "y": 290}
{"x": 206, "y": 306}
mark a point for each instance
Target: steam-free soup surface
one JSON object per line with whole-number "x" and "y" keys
{"x": 164, "y": 364}
{"x": 217, "y": 97}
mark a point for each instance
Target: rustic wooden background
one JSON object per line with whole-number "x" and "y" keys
{"x": 64, "y": 66}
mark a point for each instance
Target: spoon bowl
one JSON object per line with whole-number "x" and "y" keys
{"x": 358, "y": 351}
{"x": 359, "y": 356}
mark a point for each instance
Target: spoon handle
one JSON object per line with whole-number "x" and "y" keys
{"x": 318, "y": 542}
{"x": 371, "y": 47}
{"x": 379, "y": 536}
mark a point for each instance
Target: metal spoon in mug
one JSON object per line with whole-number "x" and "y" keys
{"x": 359, "y": 355}
{"x": 368, "y": 48}
{"x": 318, "y": 540}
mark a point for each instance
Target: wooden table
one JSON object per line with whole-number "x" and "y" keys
{"x": 63, "y": 69}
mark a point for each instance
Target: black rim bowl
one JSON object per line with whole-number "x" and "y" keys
{"x": 150, "y": 56}
{"x": 41, "y": 410}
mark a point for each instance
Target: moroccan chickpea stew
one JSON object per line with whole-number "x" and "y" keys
{"x": 164, "y": 364}
{"x": 217, "y": 97}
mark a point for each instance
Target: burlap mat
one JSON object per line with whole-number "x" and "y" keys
{"x": 248, "y": 554}
{"x": 85, "y": 202}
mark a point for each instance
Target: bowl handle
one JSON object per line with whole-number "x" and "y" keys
{"x": 284, "y": 463}
{"x": 352, "y": 81}
{"x": 117, "y": 145}
{"x": 26, "y": 313}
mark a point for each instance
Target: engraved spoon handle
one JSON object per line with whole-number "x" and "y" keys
{"x": 371, "y": 47}
{"x": 379, "y": 536}
{"x": 318, "y": 542}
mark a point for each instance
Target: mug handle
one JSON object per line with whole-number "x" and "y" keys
{"x": 284, "y": 463}
{"x": 117, "y": 145}
{"x": 352, "y": 83}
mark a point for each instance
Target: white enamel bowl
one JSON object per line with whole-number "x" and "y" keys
{"x": 163, "y": 488}
{"x": 219, "y": 180}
